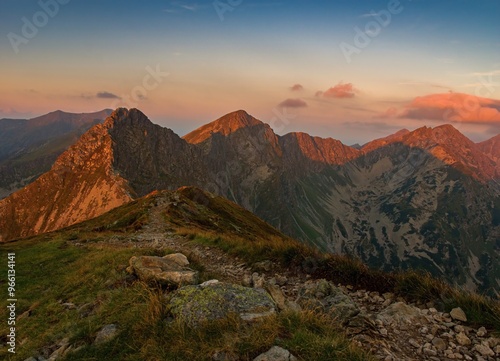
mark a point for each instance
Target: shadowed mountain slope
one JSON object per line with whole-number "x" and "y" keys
{"x": 425, "y": 199}
{"x": 28, "y": 148}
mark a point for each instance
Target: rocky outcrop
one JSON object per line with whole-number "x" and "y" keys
{"x": 217, "y": 300}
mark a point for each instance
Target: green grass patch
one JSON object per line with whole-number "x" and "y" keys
{"x": 93, "y": 278}
{"x": 307, "y": 335}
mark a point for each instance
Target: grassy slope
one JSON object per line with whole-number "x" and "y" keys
{"x": 74, "y": 266}
{"x": 52, "y": 270}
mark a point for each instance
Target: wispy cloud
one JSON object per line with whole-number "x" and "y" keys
{"x": 424, "y": 83}
{"x": 107, "y": 95}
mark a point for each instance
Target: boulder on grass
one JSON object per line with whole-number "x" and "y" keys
{"x": 214, "y": 301}
{"x": 276, "y": 353}
{"x": 170, "y": 270}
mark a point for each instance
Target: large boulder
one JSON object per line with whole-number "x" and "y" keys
{"x": 217, "y": 300}
{"x": 170, "y": 270}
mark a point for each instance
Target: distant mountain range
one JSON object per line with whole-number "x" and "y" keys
{"x": 29, "y": 147}
{"x": 426, "y": 199}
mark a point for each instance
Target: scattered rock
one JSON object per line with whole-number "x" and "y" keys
{"x": 481, "y": 332}
{"x": 263, "y": 266}
{"x": 330, "y": 298}
{"x": 209, "y": 283}
{"x": 276, "y": 354}
{"x": 458, "y": 314}
{"x": 277, "y": 296}
{"x": 195, "y": 304}
{"x": 62, "y": 347}
{"x": 258, "y": 281}
{"x": 484, "y": 350}
{"x": 462, "y": 339}
{"x": 340, "y": 305}
{"x": 170, "y": 270}
{"x": 106, "y": 334}
{"x": 399, "y": 312}
{"x": 439, "y": 343}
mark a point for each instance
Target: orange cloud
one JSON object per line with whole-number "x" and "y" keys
{"x": 449, "y": 107}
{"x": 340, "y": 90}
{"x": 293, "y": 103}
{"x": 296, "y": 87}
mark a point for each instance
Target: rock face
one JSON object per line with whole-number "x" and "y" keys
{"x": 170, "y": 270}
{"x": 197, "y": 304}
{"x": 82, "y": 184}
{"x": 422, "y": 199}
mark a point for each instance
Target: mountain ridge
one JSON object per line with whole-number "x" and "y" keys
{"x": 29, "y": 147}
{"x": 392, "y": 206}
{"x": 225, "y": 125}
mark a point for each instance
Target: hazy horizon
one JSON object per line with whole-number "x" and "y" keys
{"x": 350, "y": 71}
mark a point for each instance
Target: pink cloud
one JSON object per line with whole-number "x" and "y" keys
{"x": 341, "y": 90}
{"x": 293, "y": 103}
{"x": 296, "y": 87}
{"x": 449, "y": 107}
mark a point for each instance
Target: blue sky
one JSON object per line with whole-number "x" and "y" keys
{"x": 96, "y": 54}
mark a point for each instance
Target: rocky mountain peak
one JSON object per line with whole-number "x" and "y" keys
{"x": 127, "y": 117}
{"x": 443, "y": 134}
{"x": 228, "y": 124}
{"x": 450, "y": 146}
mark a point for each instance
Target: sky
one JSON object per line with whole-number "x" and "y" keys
{"x": 350, "y": 70}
